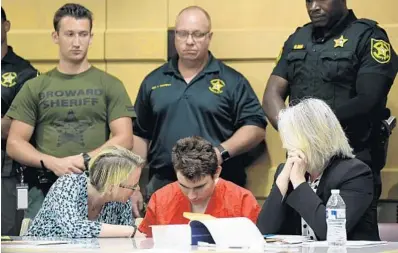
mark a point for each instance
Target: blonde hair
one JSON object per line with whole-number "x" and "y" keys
{"x": 312, "y": 127}
{"x": 112, "y": 166}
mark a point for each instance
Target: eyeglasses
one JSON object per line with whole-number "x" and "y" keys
{"x": 196, "y": 35}
{"x": 133, "y": 188}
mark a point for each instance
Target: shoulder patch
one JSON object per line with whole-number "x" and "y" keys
{"x": 380, "y": 51}
{"x": 9, "y": 79}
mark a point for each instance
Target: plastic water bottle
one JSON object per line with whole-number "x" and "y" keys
{"x": 335, "y": 219}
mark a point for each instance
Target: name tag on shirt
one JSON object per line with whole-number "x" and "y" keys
{"x": 22, "y": 196}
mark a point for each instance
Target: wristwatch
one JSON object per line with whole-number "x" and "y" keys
{"x": 224, "y": 153}
{"x": 86, "y": 159}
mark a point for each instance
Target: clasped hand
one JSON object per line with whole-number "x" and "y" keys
{"x": 293, "y": 171}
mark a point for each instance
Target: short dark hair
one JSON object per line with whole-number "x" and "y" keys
{"x": 195, "y": 158}
{"x": 3, "y": 15}
{"x": 76, "y": 11}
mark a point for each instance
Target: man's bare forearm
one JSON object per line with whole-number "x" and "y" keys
{"x": 272, "y": 105}
{"x": 24, "y": 153}
{"x": 244, "y": 139}
{"x": 141, "y": 146}
{"x": 274, "y": 98}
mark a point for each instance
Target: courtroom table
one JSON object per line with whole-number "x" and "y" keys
{"x": 121, "y": 245}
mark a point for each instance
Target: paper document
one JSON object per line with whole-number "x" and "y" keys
{"x": 287, "y": 239}
{"x": 349, "y": 244}
{"x": 236, "y": 233}
{"x": 36, "y": 243}
{"x": 165, "y": 236}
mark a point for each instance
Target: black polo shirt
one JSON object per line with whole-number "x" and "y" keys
{"x": 15, "y": 71}
{"x": 216, "y": 103}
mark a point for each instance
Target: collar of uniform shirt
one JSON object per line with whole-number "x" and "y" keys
{"x": 211, "y": 66}
{"x": 320, "y": 35}
{"x": 10, "y": 57}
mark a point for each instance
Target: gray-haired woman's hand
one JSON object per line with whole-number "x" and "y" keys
{"x": 299, "y": 168}
{"x": 284, "y": 177}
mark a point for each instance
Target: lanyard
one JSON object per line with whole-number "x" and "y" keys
{"x": 20, "y": 171}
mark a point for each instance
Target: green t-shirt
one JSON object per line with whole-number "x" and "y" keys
{"x": 71, "y": 113}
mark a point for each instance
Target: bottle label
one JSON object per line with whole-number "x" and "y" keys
{"x": 333, "y": 214}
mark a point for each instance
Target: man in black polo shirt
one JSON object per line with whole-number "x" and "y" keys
{"x": 347, "y": 62}
{"x": 196, "y": 94}
{"x": 15, "y": 71}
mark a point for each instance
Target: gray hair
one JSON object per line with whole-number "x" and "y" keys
{"x": 312, "y": 127}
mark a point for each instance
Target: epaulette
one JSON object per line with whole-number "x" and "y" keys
{"x": 305, "y": 25}
{"x": 366, "y": 21}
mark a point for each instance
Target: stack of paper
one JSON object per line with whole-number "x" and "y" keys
{"x": 349, "y": 244}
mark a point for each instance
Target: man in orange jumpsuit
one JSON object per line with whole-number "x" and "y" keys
{"x": 198, "y": 189}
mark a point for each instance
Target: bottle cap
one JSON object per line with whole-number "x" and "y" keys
{"x": 335, "y": 191}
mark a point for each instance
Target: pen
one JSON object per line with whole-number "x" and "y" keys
{"x": 268, "y": 236}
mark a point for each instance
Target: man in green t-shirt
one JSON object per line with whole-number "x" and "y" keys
{"x": 64, "y": 117}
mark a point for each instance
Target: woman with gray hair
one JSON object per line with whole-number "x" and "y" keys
{"x": 319, "y": 159}
{"x": 98, "y": 205}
